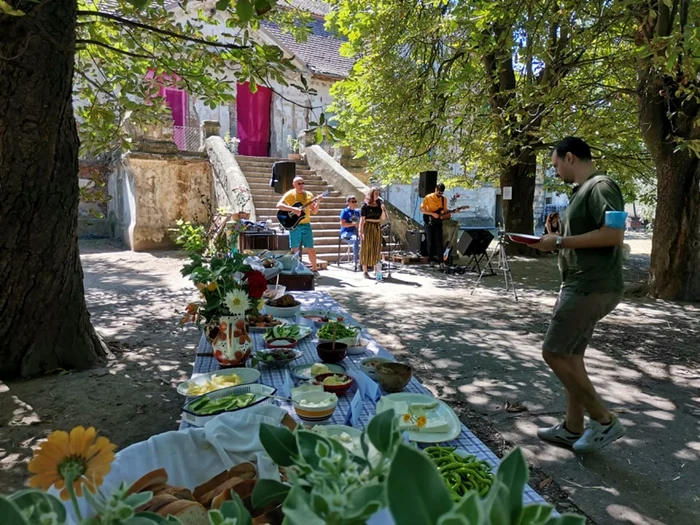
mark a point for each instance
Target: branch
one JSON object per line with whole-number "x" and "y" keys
{"x": 152, "y": 29}
{"x": 116, "y": 50}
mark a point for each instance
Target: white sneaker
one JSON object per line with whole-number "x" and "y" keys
{"x": 558, "y": 434}
{"x": 597, "y": 435}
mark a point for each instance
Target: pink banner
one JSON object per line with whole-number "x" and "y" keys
{"x": 253, "y": 117}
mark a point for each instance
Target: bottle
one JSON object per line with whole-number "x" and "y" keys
{"x": 378, "y": 271}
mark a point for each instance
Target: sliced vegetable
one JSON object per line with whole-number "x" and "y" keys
{"x": 205, "y": 406}
{"x": 343, "y": 331}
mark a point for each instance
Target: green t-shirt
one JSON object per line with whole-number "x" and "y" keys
{"x": 592, "y": 269}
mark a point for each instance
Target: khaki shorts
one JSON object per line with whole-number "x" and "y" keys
{"x": 574, "y": 319}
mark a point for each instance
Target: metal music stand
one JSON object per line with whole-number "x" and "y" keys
{"x": 388, "y": 266}
{"x": 503, "y": 265}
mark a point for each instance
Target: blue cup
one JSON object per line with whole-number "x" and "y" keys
{"x": 616, "y": 219}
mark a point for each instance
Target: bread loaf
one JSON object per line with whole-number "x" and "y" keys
{"x": 154, "y": 477}
{"x": 188, "y": 512}
{"x": 178, "y": 492}
{"x": 244, "y": 488}
{"x": 156, "y": 503}
{"x": 244, "y": 471}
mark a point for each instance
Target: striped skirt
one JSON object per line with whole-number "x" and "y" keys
{"x": 371, "y": 247}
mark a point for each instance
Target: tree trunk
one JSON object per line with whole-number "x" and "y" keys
{"x": 675, "y": 249}
{"x": 518, "y": 212}
{"x": 44, "y": 323}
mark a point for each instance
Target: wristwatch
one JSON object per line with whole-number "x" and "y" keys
{"x": 560, "y": 243}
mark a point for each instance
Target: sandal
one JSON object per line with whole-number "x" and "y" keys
{"x": 366, "y": 275}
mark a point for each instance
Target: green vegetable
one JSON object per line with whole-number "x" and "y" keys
{"x": 290, "y": 331}
{"x": 327, "y": 330}
{"x": 205, "y": 405}
{"x": 461, "y": 474}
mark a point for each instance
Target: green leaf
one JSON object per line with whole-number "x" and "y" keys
{"x": 307, "y": 443}
{"x": 245, "y": 10}
{"x": 138, "y": 3}
{"x": 44, "y": 502}
{"x": 268, "y": 491}
{"x": 235, "y": 509}
{"x": 366, "y": 501}
{"x": 452, "y": 518}
{"x": 497, "y": 503}
{"x": 297, "y": 509}
{"x": 11, "y": 514}
{"x": 322, "y": 118}
{"x": 136, "y": 500}
{"x": 222, "y": 5}
{"x": 416, "y": 492}
{"x": 535, "y": 514}
{"x": 155, "y": 518}
{"x": 513, "y": 473}
{"x": 471, "y": 507}
{"x": 382, "y": 432}
{"x": 280, "y": 444}
{"x": 319, "y": 136}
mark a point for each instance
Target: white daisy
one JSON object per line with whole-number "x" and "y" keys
{"x": 237, "y": 302}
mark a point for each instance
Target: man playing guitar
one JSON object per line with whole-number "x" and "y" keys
{"x": 302, "y": 235}
{"x": 434, "y": 208}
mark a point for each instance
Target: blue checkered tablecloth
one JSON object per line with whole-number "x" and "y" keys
{"x": 279, "y": 377}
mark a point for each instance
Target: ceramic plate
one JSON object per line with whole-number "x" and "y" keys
{"x": 359, "y": 348}
{"x": 303, "y": 372}
{"x": 247, "y": 375}
{"x": 304, "y": 331}
{"x": 442, "y": 410}
{"x": 260, "y": 329}
{"x": 321, "y": 313}
{"x": 523, "y": 238}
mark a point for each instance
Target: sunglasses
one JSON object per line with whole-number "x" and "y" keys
{"x": 299, "y": 183}
{"x": 353, "y": 200}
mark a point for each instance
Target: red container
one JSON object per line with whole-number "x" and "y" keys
{"x": 336, "y": 389}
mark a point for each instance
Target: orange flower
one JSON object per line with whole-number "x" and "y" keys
{"x": 211, "y": 286}
{"x": 406, "y": 418}
{"x": 422, "y": 420}
{"x": 80, "y": 457}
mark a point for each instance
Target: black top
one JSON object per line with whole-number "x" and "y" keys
{"x": 371, "y": 212}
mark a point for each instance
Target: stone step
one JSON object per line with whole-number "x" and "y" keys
{"x": 272, "y": 212}
{"x": 264, "y": 185}
{"x": 260, "y": 170}
{"x": 270, "y": 160}
{"x": 270, "y": 201}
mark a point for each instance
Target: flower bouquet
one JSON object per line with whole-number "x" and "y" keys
{"x": 230, "y": 290}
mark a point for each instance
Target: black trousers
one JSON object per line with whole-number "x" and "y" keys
{"x": 433, "y": 237}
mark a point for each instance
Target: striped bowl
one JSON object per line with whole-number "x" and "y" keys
{"x": 314, "y": 414}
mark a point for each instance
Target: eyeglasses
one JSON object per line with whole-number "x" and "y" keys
{"x": 299, "y": 183}
{"x": 353, "y": 200}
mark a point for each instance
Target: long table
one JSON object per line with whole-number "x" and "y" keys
{"x": 279, "y": 377}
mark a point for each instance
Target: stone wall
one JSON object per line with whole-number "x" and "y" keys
{"x": 151, "y": 191}
{"x": 227, "y": 178}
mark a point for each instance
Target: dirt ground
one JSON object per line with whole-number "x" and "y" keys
{"x": 478, "y": 352}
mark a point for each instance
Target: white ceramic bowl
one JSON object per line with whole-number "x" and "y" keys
{"x": 314, "y": 413}
{"x": 369, "y": 369}
{"x": 289, "y": 262}
{"x": 282, "y": 311}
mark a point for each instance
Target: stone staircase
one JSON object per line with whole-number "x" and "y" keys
{"x": 326, "y": 224}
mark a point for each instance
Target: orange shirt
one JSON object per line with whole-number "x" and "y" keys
{"x": 433, "y": 203}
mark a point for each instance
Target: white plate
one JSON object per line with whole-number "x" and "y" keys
{"x": 334, "y": 431}
{"x": 260, "y": 329}
{"x": 304, "y": 331}
{"x": 247, "y": 375}
{"x": 442, "y": 409}
{"x": 360, "y": 348}
{"x": 321, "y": 313}
{"x": 303, "y": 372}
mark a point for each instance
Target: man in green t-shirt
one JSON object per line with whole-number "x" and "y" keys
{"x": 590, "y": 261}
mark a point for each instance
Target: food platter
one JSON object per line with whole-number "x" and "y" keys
{"x": 278, "y": 322}
{"x": 303, "y": 372}
{"x": 441, "y": 410}
{"x": 246, "y": 375}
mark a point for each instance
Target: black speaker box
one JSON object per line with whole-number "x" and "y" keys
{"x": 427, "y": 182}
{"x": 414, "y": 238}
{"x": 283, "y": 173}
{"x": 474, "y": 241}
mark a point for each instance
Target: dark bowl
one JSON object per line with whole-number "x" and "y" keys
{"x": 328, "y": 353}
{"x": 393, "y": 377}
{"x": 336, "y": 389}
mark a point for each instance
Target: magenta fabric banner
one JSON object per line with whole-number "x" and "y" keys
{"x": 253, "y": 120}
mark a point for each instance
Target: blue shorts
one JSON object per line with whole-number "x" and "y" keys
{"x": 301, "y": 234}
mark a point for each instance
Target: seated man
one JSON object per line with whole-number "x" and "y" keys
{"x": 349, "y": 218}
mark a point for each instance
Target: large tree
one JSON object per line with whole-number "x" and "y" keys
{"x": 668, "y": 67}
{"x": 45, "y": 323}
{"x": 484, "y": 85}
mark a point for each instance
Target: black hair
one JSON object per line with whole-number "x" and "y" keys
{"x": 440, "y": 187}
{"x": 575, "y": 146}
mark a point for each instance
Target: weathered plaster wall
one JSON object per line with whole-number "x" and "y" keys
{"x": 226, "y": 176}
{"x": 152, "y": 191}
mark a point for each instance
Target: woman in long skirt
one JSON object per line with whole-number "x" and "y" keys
{"x": 372, "y": 214}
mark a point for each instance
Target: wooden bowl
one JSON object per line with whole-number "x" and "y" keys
{"x": 332, "y": 353}
{"x": 393, "y": 377}
{"x": 336, "y": 389}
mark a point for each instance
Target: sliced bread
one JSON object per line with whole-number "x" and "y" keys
{"x": 243, "y": 488}
{"x": 156, "y": 503}
{"x": 154, "y": 477}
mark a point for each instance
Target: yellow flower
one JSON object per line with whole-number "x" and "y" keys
{"x": 406, "y": 418}
{"x": 211, "y": 286}
{"x": 80, "y": 455}
{"x": 422, "y": 420}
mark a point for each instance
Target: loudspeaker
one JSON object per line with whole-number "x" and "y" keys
{"x": 474, "y": 241}
{"x": 427, "y": 182}
{"x": 413, "y": 240}
{"x": 283, "y": 173}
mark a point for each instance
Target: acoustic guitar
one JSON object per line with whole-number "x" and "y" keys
{"x": 429, "y": 219}
{"x": 289, "y": 220}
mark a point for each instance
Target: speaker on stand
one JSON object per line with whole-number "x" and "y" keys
{"x": 283, "y": 173}
{"x": 427, "y": 180}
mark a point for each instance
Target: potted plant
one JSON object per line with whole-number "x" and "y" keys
{"x": 230, "y": 290}
{"x": 231, "y": 143}
{"x": 241, "y": 196}
{"x": 293, "y": 145}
